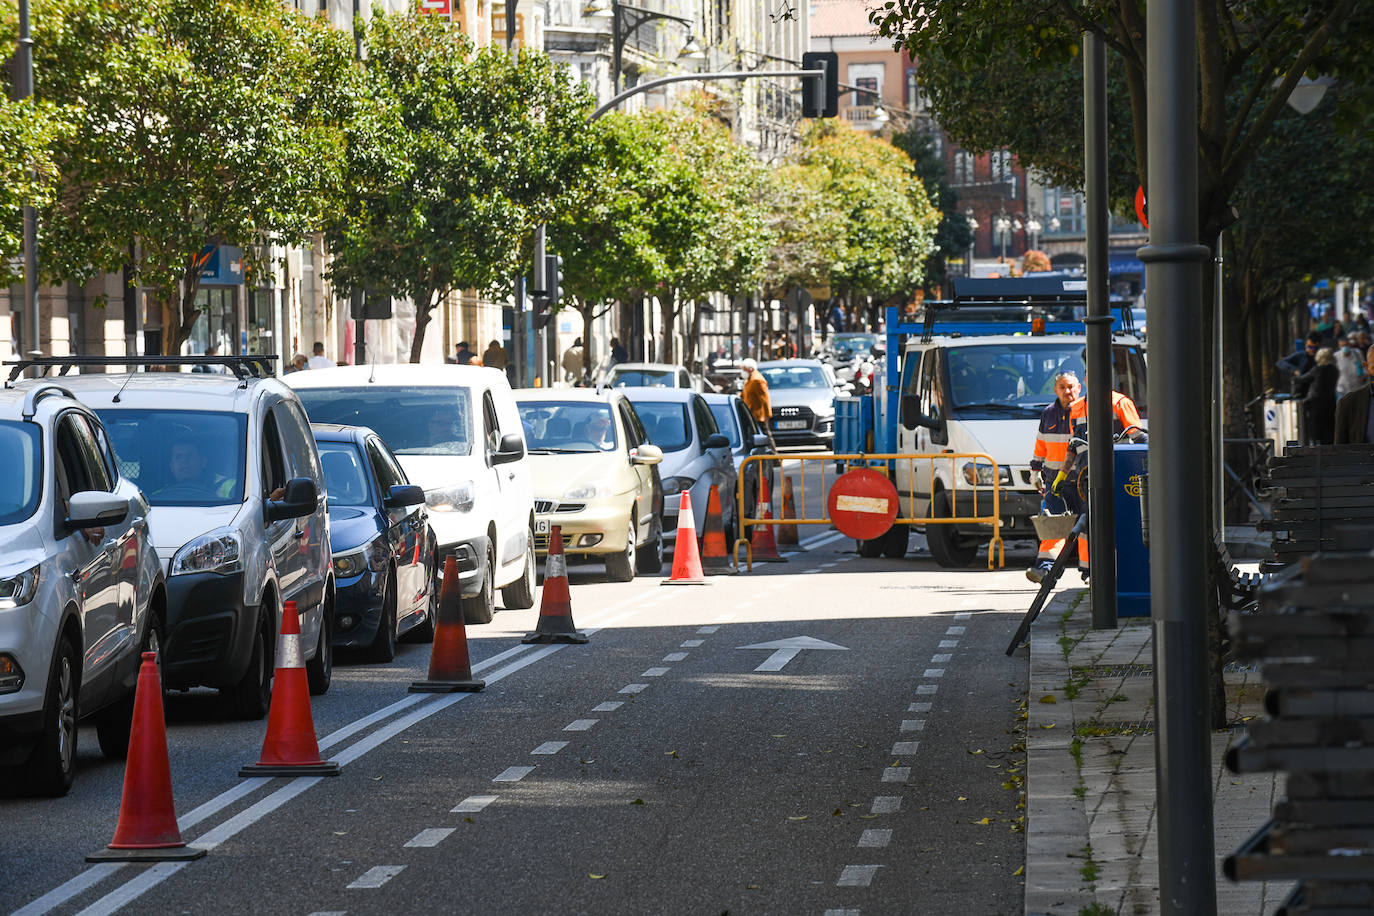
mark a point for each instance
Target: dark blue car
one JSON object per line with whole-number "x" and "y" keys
{"x": 384, "y": 550}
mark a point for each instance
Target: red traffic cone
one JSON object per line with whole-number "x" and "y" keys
{"x": 686, "y": 557}
{"x": 715, "y": 553}
{"x": 147, "y": 829}
{"x": 290, "y": 748}
{"x": 762, "y": 546}
{"x": 555, "y": 603}
{"x": 450, "y": 670}
{"x": 787, "y": 534}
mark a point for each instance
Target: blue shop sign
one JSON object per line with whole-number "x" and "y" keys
{"x": 221, "y": 265}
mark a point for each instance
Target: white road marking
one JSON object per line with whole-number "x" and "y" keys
{"x": 674, "y": 656}
{"x": 941, "y": 658}
{"x": 429, "y": 838}
{"x": 633, "y": 688}
{"x": 330, "y": 913}
{"x": 707, "y": 631}
{"x": 965, "y": 615}
{"x": 655, "y": 672}
{"x": 610, "y": 706}
{"x": 788, "y": 649}
{"x": 905, "y": 747}
{"x": 472, "y": 804}
{"x": 549, "y": 747}
{"x": 887, "y": 804}
{"x": 949, "y": 643}
{"x": 581, "y": 725}
{"x": 513, "y": 774}
{"x": 812, "y": 571}
{"x": 875, "y": 838}
{"x": 132, "y": 890}
{"x": 841, "y": 913}
{"x": 919, "y": 707}
{"x": 821, "y": 540}
{"x": 827, "y": 565}
{"x": 927, "y": 689}
{"x": 376, "y": 876}
{"x": 692, "y": 643}
{"x": 913, "y": 725}
{"x": 64, "y": 892}
{"x": 857, "y": 875}
{"x": 933, "y": 672}
{"x": 955, "y": 631}
{"x": 896, "y": 774}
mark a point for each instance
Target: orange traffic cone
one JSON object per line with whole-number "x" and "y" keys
{"x": 762, "y": 546}
{"x": 450, "y": 670}
{"x": 290, "y": 748}
{"x": 686, "y": 557}
{"x": 147, "y": 829}
{"x": 715, "y": 553}
{"x": 555, "y": 603}
{"x": 787, "y": 534}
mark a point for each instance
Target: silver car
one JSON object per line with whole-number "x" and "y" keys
{"x": 82, "y": 594}
{"x": 802, "y": 393}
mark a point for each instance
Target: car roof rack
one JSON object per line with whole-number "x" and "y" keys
{"x": 1002, "y": 293}
{"x": 243, "y": 367}
{"x": 38, "y": 393}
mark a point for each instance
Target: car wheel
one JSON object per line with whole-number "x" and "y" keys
{"x": 871, "y": 549}
{"x": 649, "y": 559}
{"x": 482, "y": 607}
{"x": 52, "y": 766}
{"x": 319, "y": 671}
{"x": 946, "y": 546}
{"x": 519, "y": 595}
{"x": 114, "y": 724}
{"x": 895, "y": 541}
{"x": 620, "y": 567}
{"x": 251, "y": 697}
{"x": 383, "y": 648}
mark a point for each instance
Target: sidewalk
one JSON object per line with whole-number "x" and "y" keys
{"x": 1090, "y": 794}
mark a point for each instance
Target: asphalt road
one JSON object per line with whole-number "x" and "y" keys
{"x": 668, "y": 766}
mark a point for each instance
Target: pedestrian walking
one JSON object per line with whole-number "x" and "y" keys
{"x": 755, "y": 396}
{"x": 1350, "y": 365}
{"x": 1319, "y": 399}
{"x": 494, "y": 357}
{"x": 1299, "y": 361}
{"x": 618, "y": 351}
{"x": 299, "y": 364}
{"x": 318, "y": 360}
{"x": 462, "y": 354}
{"x": 572, "y": 362}
{"x": 1354, "y": 419}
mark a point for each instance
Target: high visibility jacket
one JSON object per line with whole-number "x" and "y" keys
{"x": 1124, "y": 414}
{"x": 1052, "y": 438}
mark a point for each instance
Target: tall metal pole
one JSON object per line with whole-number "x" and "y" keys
{"x": 1218, "y": 438}
{"x": 23, "y": 89}
{"x": 1101, "y": 514}
{"x": 1173, "y": 276}
{"x": 617, "y": 46}
{"x": 359, "y": 324}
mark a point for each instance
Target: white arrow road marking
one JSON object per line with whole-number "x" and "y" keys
{"x": 788, "y": 649}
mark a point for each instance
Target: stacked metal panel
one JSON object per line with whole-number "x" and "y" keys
{"x": 1327, "y": 501}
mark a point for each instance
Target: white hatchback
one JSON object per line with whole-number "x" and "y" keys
{"x": 457, "y": 434}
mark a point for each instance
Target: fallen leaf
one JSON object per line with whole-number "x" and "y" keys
{"x": 775, "y": 736}
{"x": 868, "y": 817}
{"x": 854, "y": 804}
{"x": 637, "y": 801}
{"x": 983, "y": 821}
{"x": 469, "y": 820}
{"x": 1050, "y": 725}
{"x": 595, "y": 877}
{"x": 585, "y": 760}
{"x": 671, "y": 754}
{"x": 1049, "y": 698}
{"x": 977, "y": 752}
{"x": 751, "y": 887}
{"x": 1019, "y": 872}
{"x": 963, "y": 798}
{"x": 375, "y": 778}
{"x": 838, "y": 812}
{"x": 341, "y": 833}
{"x": 796, "y": 817}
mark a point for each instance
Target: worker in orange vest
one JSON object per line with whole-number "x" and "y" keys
{"x": 1051, "y": 453}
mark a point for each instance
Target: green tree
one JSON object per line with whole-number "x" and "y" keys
{"x": 28, "y": 175}
{"x": 196, "y": 123}
{"x": 808, "y": 228}
{"x": 464, "y": 154}
{"x": 953, "y": 237}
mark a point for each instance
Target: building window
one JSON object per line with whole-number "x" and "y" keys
{"x": 963, "y": 167}
{"x": 1000, "y": 163}
{"x": 915, "y": 100}
{"x": 866, "y": 76}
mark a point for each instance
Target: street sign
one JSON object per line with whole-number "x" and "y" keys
{"x": 439, "y": 7}
{"x": 1140, "y": 206}
{"x": 788, "y": 649}
{"x": 863, "y": 504}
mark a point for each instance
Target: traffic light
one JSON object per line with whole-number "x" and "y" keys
{"x": 547, "y": 300}
{"x": 821, "y": 98}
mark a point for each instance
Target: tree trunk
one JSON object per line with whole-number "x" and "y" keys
{"x": 422, "y": 315}
{"x": 667, "y": 310}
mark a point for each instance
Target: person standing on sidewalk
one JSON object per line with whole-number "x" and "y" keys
{"x": 755, "y": 396}
{"x": 1354, "y": 418}
{"x": 1051, "y": 450}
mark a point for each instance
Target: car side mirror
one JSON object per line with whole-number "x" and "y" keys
{"x": 761, "y": 441}
{"x": 95, "y": 508}
{"x": 911, "y": 415}
{"x": 647, "y": 454}
{"x": 512, "y": 449}
{"x": 300, "y": 498}
{"x": 715, "y": 440}
{"x": 404, "y": 495}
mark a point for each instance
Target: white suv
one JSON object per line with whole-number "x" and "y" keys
{"x": 231, "y": 470}
{"x": 457, "y": 433}
{"x": 81, "y": 591}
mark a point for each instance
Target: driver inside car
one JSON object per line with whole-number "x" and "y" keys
{"x": 187, "y": 466}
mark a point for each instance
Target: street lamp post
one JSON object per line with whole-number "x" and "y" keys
{"x": 625, "y": 21}
{"x": 1002, "y": 225}
{"x": 972, "y": 242}
{"x": 1033, "y": 228}
{"x": 23, "y": 88}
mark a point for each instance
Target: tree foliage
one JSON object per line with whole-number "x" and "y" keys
{"x": 953, "y": 237}
{"x": 28, "y": 175}
{"x": 461, "y": 156}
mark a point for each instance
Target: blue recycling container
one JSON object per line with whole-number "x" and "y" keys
{"x": 1132, "y": 556}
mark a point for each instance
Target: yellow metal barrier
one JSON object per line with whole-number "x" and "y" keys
{"x": 957, "y": 483}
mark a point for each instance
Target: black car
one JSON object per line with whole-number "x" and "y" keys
{"x": 384, "y": 550}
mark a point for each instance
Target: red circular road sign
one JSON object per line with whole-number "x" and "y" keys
{"x": 1140, "y": 206}
{"x": 863, "y": 504}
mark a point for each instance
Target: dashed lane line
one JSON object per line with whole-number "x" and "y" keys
{"x": 692, "y": 643}
{"x": 655, "y": 672}
{"x": 582, "y": 725}
{"x": 473, "y": 803}
{"x": 633, "y": 688}
{"x": 875, "y": 838}
{"x": 896, "y": 774}
{"x": 330, "y": 913}
{"x": 513, "y": 774}
{"x": 940, "y": 659}
{"x": 707, "y": 631}
{"x": 919, "y": 707}
{"x": 608, "y": 706}
{"x": 926, "y": 689}
{"x": 913, "y": 725}
{"x": 887, "y": 804}
{"x": 675, "y": 656}
{"x": 429, "y": 838}
{"x": 933, "y": 672}
{"x": 905, "y": 747}
{"x": 956, "y": 631}
{"x": 841, "y": 913}
{"x": 550, "y": 747}
{"x": 949, "y": 643}
{"x": 376, "y": 876}
{"x": 857, "y": 875}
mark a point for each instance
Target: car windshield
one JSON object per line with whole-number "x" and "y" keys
{"x": 21, "y": 454}
{"x": 345, "y": 474}
{"x": 413, "y": 421}
{"x": 725, "y": 421}
{"x": 1008, "y": 381}
{"x": 855, "y": 343}
{"x": 643, "y": 378}
{"x": 567, "y": 426}
{"x": 665, "y": 423}
{"x": 180, "y": 457}
{"x": 794, "y": 377}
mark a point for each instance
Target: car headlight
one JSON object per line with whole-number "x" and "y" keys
{"x": 457, "y": 498}
{"x": 348, "y": 565}
{"x": 17, "y": 591}
{"x": 215, "y": 551}
{"x": 588, "y": 491}
{"x": 982, "y": 474}
{"x": 675, "y": 485}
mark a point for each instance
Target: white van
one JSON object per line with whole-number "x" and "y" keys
{"x": 457, "y": 434}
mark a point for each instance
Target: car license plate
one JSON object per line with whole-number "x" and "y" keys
{"x": 541, "y": 526}
{"x": 791, "y": 424}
